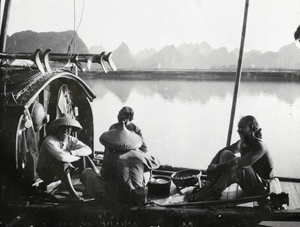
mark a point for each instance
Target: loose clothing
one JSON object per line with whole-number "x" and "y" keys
{"x": 124, "y": 171}
{"x": 55, "y": 157}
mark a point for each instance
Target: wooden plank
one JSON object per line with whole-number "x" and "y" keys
{"x": 291, "y": 188}
{"x": 297, "y": 186}
{"x": 225, "y": 193}
{"x": 232, "y": 193}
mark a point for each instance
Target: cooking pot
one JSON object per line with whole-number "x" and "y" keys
{"x": 159, "y": 185}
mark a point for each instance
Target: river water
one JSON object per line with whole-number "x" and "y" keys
{"x": 185, "y": 122}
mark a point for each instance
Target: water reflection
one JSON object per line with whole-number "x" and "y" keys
{"x": 192, "y": 91}
{"x": 185, "y": 122}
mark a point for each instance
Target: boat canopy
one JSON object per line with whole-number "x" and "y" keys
{"x": 24, "y": 89}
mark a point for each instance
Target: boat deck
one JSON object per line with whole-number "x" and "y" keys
{"x": 160, "y": 212}
{"x": 160, "y": 215}
{"x": 288, "y": 185}
{"x": 234, "y": 192}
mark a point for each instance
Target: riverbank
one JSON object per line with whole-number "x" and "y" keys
{"x": 207, "y": 75}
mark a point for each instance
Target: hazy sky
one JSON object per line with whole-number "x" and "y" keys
{"x": 155, "y": 23}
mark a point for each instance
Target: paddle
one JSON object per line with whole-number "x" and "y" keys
{"x": 277, "y": 200}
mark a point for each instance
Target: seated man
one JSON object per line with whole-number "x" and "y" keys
{"x": 253, "y": 170}
{"x": 126, "y": 169}
{"x": 59, "y": 150}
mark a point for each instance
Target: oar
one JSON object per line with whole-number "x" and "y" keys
{"x": 281, "y": 198}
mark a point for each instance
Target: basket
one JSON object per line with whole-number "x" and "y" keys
{"x": 186, "y": 178}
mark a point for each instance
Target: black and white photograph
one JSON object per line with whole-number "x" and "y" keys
{"x": 150, "y": 113}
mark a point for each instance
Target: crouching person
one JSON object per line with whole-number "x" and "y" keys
{"x": 126, "y": 169}
{"x": 59, "y": 149}
{"x": 253, "y": 170}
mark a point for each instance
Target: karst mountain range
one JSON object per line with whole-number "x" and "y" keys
{"x": 191, "y": 56}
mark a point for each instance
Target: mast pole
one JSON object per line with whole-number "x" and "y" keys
{"x": 238, "y": 74}
{"x": 4, "y": 23}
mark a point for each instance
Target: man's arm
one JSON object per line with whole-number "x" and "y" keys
{"x": 257, "y": 151}
{"x": 54, "y": 149}
{"x": 78, "y": 148}
{"x": 214, "y": 164}
{"x": 150, "y": 162}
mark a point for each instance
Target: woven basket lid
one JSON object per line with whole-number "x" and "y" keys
{"x": 121, "y": 139}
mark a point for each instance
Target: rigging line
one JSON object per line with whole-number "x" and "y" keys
{"x": 76, "y": 29}
{"x": 74, "y": 35}
{"x": 74, "y": 20}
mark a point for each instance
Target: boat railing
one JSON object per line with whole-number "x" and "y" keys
{"x": 42, "y": 59}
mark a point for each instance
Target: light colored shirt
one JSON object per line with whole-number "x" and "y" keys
{"x": 69, "y": 150}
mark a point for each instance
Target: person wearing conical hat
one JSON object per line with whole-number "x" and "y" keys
{"x": 126, "y": 115}
{"x": 126, "y": 169}
{"x": 59, "y": 149}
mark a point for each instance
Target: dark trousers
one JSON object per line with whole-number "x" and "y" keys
{"x": 250, "y": 182}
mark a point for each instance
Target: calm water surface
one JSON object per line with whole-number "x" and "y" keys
{"x": 184, "y": 123}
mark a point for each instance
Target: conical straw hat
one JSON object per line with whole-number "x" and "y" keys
{"x": 121, "y": 139}
{"x": 65, "y": 120}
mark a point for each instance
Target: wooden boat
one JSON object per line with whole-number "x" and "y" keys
{"x": 61, "y": 90}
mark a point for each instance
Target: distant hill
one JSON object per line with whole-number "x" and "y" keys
{"x": 123, "y": 58}
{"x": 96, "y": 49}
{"x": 203, "y": 56}
{"x": 143, "y": 54}
{"x": 29, "y": 41}
{"x": 184, "y": 56}
{"x": 167, "y": 58}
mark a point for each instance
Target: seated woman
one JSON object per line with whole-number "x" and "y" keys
{"x": 59, "y": 149}
{"x": 253, "y": 170}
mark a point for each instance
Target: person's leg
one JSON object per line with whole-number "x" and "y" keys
{"x": 51, "y": 172}
{"x": 147, "y": 176}
{"x": 214, "y": 176}
{"x": 66, "y": 178}
{"x": 218, "y": 181}
{"x": 94, "y": 186}
{"x": 226, "y": 179}
{"x": 248, "y": 180}
{"x": 252, "y": 184}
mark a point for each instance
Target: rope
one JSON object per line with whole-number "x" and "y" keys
{"x": 75, "y": 30}
{"x": 29, "y": 85}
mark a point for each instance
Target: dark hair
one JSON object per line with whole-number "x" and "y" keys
{"x": 127, "y": 112}
{"x": 254, "y": 125}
